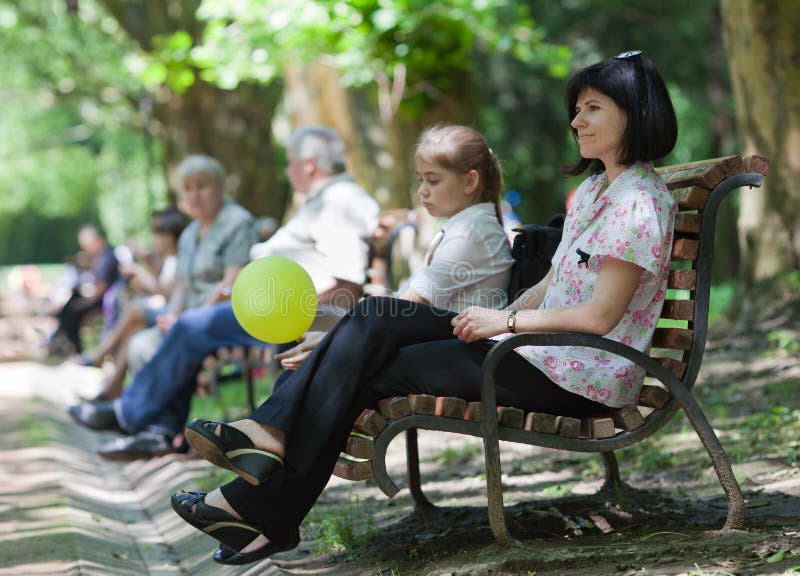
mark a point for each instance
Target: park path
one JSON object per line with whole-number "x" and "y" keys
{"x": 64, "y": 510}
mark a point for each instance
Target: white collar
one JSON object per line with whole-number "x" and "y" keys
{"x": 468, "y": 214}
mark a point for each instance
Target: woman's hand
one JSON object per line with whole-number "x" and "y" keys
{"x": 292, "y": 358}
{"x": 476, "y": 323}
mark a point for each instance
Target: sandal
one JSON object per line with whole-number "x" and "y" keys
{"x": 232, "y": 532}
{"x": 228, "y": 556}
{"x": 232, "y": 450}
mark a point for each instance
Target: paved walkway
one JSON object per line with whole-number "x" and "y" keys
{"x": 65, "y": 510}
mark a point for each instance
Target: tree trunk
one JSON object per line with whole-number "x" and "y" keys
{"x": 380, "y": 145}
{"x": 234, "y": 126}
{"x": 761, "y": 37}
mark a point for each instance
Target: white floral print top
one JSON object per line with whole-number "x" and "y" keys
{"x": 632, "y": 220}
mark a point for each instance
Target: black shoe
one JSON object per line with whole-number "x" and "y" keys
{"x": 137, "y": 446}
{"x": 95, "y": 415}
{"x": 228, "y": 556}
{"x": 233, "y": 450}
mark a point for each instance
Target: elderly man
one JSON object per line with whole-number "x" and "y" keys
{"x": 327, "y": 236}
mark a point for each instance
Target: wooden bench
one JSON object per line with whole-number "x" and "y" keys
{"x": 674, "y": 362}
{"x": 389, "y": 244}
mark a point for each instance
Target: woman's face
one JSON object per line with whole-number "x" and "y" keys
{"x": 201, "y": 197}
{"x": 443, "y": 192}
{"x": 600, "y": 125}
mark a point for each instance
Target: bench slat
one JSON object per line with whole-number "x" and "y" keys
{"x": 597, "y": 427}
{"x": 353, "y": 470}
{"x": 653, "y": 397}
{"x": 510, "y": 417}
{"x": 706, "y": 173}
{"x": 422, "y": 403}
{"x": 703, "y": 176}
{"x": 540, "y": 422}
{"x": 672, "y": 338}
{"x": 691, "y": 197}
{"x": 627, "y": 418}
{"x": 688, "y": 223}
{"x": 757, "y": 163}
{"x": 359, "y": 447}
{"x": 677, "y": 367}
{"x": 568, "y": 426}
{"x": 369, "y": 422}
{"x": 685, "y": 249}
{"x": 682, "y": 279}
{"x": 474, "y": 412}
{"x": 678, "y": 309}
{"x": 394, "y": 407}
{"x": 450, "y": 407}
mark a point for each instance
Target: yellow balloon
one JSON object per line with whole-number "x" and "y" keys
{"x": 274, "y": 299}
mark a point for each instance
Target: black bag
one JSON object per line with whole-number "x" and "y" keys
{"x": 532, "y": 250}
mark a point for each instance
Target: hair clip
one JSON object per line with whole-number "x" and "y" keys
{"x": 630, "y": 54}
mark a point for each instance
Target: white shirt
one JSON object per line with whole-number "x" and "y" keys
{"x": 328, "y": 234}
{"x": 471, "y": 264}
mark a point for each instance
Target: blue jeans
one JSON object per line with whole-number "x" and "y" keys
{"x": 159, "y": 397}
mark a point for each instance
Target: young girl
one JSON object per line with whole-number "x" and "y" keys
{"x": 468, "y": 261}
{"x": 608, "y": 277}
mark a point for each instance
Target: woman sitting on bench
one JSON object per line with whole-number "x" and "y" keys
{"x": 608, "y": 277}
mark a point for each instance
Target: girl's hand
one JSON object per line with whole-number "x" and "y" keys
{"x": 293, "y": 358}
{"x": 165, "y": 321}
{"x": 476, "y": 323}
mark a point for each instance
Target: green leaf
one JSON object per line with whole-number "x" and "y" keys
{"x": 777, "y": 557}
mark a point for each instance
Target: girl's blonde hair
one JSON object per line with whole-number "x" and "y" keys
{"x": 461, "y": 149}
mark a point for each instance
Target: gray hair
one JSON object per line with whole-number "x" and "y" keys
{"x": 320, "y": 144}
{"x": 198, "y": 164}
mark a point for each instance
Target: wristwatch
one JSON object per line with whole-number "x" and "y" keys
{"x": 511, "y": 321}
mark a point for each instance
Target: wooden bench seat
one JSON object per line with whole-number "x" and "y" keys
{"x": 673, "y": 363}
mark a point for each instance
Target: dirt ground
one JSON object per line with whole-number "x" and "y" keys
{"x": 65, "y": 511}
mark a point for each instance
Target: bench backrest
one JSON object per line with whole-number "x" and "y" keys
{"x": 698, "y": 188}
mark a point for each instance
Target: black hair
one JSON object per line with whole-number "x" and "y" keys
{"x": 170, "y": 220}
{"x": 634, "y": 84}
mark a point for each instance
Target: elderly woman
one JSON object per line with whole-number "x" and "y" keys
{"x": 211, "y": 251}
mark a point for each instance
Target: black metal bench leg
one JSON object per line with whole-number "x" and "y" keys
{"x": 412, "y": 459}
{"x": 613, "y": 480}
{"x": 249, "y": 383}
{"x": 720, "y": 460}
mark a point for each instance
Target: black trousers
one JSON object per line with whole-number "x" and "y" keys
{"x": 385, "y": 347}
{"x": 71, "y": 316}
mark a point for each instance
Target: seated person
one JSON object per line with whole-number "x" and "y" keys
{"x": 151, "y": 287}
{"x": 104, "y": 273}
{"x": 327, "y": 236}
{"x": 211, "y": 251}
{"x": 622, "y": 220}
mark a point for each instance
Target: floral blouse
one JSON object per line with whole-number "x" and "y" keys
{"x": 632, "y": 220}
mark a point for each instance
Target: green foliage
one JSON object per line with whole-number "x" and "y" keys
{"x": 458, "y": 455}
{"x": 721, "y": 299}
{"x": 346, "y": 529}
{"x": 73, "y": 152}
{"x": 785, "y": 341}
{"x": 420, "y": 43}
{"x": 72, "y": 88}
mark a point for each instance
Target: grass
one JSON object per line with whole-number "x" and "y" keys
{"x": 346, "y": 529}
{"x": 458, "y": 455}
{"x": 232, "y": 403}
